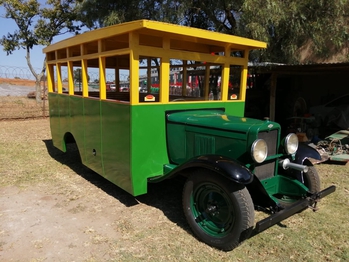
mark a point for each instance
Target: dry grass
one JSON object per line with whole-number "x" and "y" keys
{"x": 20, "y": 107}
{"x": 114, "y": 226}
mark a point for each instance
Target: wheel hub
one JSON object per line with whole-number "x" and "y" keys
{"x": 212, "y": 209}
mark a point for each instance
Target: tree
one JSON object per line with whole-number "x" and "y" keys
{"x": 100, "y": 13}
{"x": 37, "y": 25}
{"x": 286, "y": 26}
{"x": 77, "y": 75}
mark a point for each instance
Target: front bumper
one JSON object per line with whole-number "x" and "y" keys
{"x": 297, "y": 207}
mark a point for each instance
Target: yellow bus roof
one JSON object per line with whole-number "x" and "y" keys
{"x": 148, "y": 27}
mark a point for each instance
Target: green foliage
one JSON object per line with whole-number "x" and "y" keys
{"x": 23, "y": 13}
{"x": 100, "y": 13}
{"x": 77, "y": 75}
{"x": 37, "y": 25}
{"x": 286, "y": 26}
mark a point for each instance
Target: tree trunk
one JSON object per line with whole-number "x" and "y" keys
{"x": 39, "y": 95}
{"x": 38, "y": 92}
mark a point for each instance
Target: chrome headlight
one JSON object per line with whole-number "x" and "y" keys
{"x": 259, "y": 150}
{"x": 291, "y": 143}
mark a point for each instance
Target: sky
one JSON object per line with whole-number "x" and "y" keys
{"x": 16, "y": 62}
{"x": 17, "y": 58}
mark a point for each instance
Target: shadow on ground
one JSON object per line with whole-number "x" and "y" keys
{"x": 166, "y": 196}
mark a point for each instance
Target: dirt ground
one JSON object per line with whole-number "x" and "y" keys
{"x": 52, "y": 208}
{"x": 18, "y": 82}
{"x": 46, "y": 228}
{"x": 16, "y": 87}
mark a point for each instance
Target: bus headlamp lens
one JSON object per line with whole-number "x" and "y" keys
{"x": 259, "y": 150}
{"x": 291, "y": 143}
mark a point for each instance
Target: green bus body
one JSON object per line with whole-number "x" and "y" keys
{"x": 123, "y": 143}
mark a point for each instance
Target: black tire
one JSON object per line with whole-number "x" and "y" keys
{"x": 312, "y": 179}
{"x": 219, "y": 212}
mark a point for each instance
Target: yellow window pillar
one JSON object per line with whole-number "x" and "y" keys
{"x": 70, "y": 78}
{"x": 134, "y": 68}
{"x": 50, "y": 77}
{"x": 59, "y": 78}
{"x": 243, "y": 78}
{"x": 165, "y": 73}
{"x": 102, "y": 78}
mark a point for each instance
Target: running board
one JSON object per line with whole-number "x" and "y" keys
{"x": 293, "y": 209}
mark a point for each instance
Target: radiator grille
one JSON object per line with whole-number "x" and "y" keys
{"x": 267, "y": 170}
{"x": 271, "y": 139}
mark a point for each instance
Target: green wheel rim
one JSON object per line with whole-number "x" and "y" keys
{"x": 212, "y": 209}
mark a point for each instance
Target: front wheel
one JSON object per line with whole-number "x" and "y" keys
{"x": 219, "y": 211}
{"x": 311, "y": 180}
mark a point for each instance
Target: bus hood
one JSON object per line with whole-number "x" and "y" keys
{"x": 218, "y": 119}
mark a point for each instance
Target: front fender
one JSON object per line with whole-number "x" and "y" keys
{"x": 304, "y": 151}
{"x": 219, "y": 164}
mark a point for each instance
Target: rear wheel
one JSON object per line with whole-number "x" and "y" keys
{"x": 220, "y": 212}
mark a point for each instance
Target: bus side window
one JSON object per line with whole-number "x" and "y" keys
{"x": 149, "y": 80}
{"x": 234, "y": 83}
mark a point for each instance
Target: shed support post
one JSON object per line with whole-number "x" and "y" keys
{"x": 272, "y": 96}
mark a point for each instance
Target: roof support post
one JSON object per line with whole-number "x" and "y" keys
{"x": 134, "y": 68}
{"x": 272, "y": 96}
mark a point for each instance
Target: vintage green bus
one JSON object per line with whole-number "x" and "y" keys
{"x": 176, "y": 108}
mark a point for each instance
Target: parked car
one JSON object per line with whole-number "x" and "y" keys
{"x": 124, "y": 89}
{"x": 143, "y": 89}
